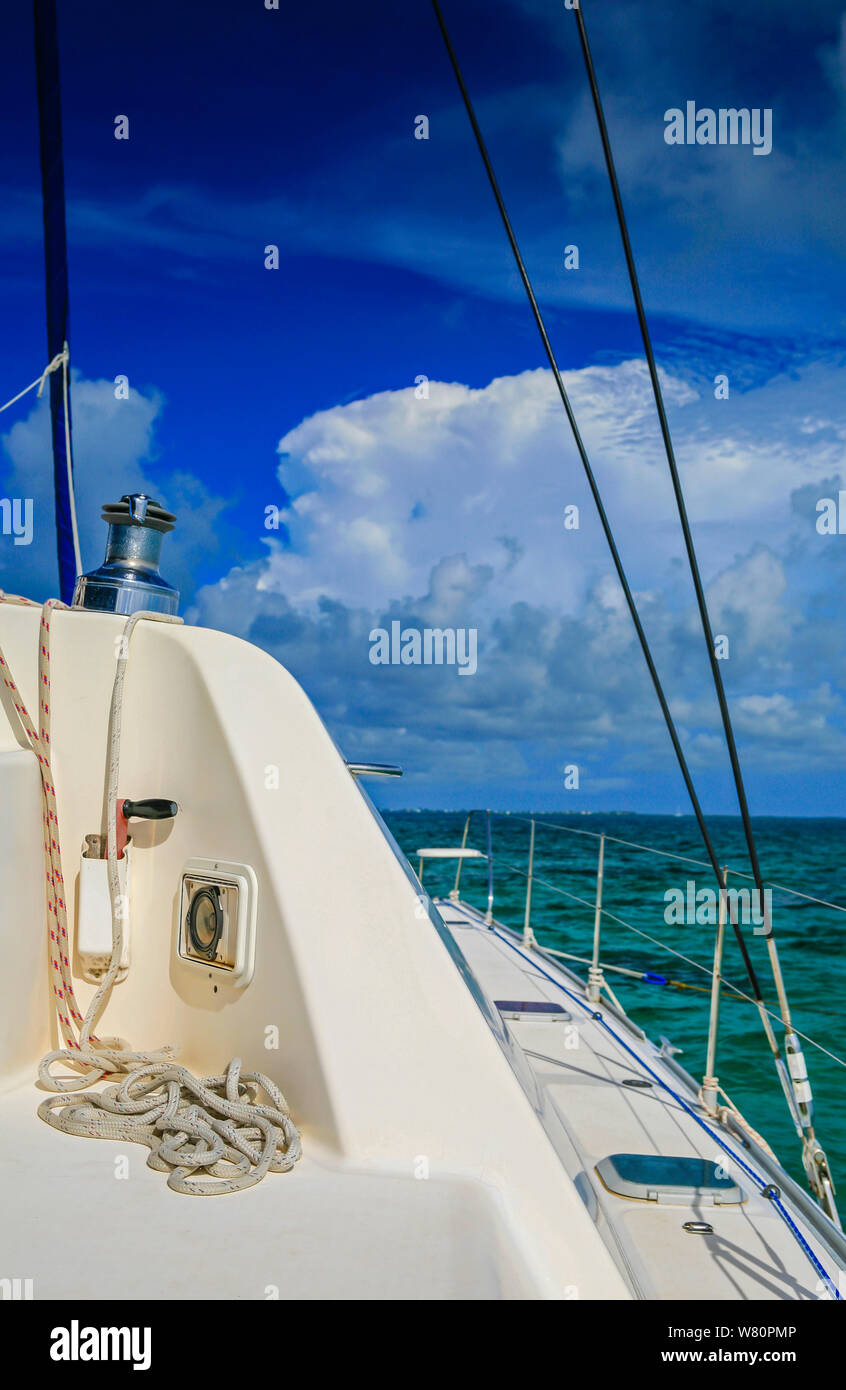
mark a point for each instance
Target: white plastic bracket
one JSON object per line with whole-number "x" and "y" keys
{"x": 94, "y": 923}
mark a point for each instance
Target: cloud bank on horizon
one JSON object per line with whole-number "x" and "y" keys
{"x": 446, "y": 507}
{"x": 456, "y": 511}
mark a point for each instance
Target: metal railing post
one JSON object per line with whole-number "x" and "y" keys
{"x": 710, "y": 1081}
{"x": 528, "y": 934}
{"x": 489, "y": 913}
{"x": 595, "y": 980}
{"x": 454, "y": 890}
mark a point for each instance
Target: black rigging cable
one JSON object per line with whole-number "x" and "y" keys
{"x": 606, "y": 525}
{"x": 815, "y": 1160}
{"x": 671, "y": 460}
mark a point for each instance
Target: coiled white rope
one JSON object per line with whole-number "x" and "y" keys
{"x": 214, "y": 1124}
{"x": 236, "y": 1140}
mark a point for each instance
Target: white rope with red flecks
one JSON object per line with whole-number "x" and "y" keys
{"x": 67, "y": 1011}
{"x": 236, "y": 1140}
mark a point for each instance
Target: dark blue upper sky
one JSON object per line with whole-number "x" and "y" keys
{"x": 251, "y": 127}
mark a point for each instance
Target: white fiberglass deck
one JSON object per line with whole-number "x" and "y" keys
{"x": 589, "y": 1113}
{"x": 327, "y": 1230}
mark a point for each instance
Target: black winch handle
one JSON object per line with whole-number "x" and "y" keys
{"x": 155, "y": 808}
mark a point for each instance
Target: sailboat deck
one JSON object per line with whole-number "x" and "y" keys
{"x": 327, "y": 1230}
{"x": 589, "y": 1114}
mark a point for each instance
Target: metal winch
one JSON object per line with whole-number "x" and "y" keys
{"x": 128, "y": 579}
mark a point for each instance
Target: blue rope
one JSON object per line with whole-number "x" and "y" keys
{"x": 750, "y": 1172}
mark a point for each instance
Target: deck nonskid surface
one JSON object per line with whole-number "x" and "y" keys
{"x": 326, "y": 1230}
{"x": 591, "y": 1114}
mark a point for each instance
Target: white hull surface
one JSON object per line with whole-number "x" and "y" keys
{"x": 448, "y": 1151}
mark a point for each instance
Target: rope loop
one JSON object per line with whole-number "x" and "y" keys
{"x": 60, "y": 360}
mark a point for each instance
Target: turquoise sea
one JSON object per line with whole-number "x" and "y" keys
{"x": 804, "y": 854}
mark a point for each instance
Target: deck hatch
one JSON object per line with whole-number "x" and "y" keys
{"x": 532, "y": 1008}
{"x": 668, "y": 1180}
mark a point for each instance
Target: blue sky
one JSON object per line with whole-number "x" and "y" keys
{"x": 295, "y": 388}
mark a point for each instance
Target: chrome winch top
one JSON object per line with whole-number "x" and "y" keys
{"x": 128, "y": 579}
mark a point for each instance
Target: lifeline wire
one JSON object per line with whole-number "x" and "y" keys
{"x": 738, "y": 993}
{"x": 667, "y": 854}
